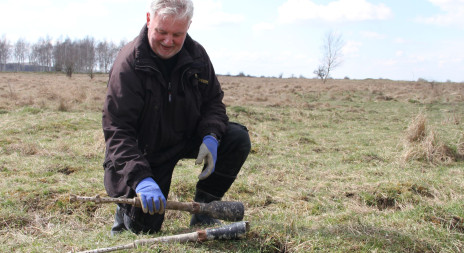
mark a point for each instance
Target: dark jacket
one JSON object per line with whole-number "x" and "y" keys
{"x": 147, "y": 120}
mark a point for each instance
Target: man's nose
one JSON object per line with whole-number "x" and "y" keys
{"x": 168, "y": 40}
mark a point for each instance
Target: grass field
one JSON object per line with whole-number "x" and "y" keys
{"x": 346, "y": 166}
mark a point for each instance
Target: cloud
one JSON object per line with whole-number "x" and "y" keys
{"x": 373, "y": 35}
{"x": 210, "y": 14}
{"x": 453, "y": 13}
{"x": 48, "y": 17}
{"x": 342, "y": 10}
{"x": 263, "y": 27}
{"x": 351, "y": 48}
{"x": 399, "y": 40}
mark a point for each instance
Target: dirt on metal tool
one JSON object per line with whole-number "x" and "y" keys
{"x": 223, "y": 210}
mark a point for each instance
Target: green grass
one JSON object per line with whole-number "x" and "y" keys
{"x": 319, "y": 179}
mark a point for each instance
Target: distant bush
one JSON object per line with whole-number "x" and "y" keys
{"x": 422, "y": 80}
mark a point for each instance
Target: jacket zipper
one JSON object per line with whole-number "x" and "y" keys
{"x": 170, "y": 92}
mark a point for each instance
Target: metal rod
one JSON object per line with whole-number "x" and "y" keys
{"x": 228, "y": 232}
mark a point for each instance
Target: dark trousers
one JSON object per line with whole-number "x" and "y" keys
{"x": 232, "y": 152}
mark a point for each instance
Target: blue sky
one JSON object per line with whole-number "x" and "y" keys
{"x": 395, "y": 39}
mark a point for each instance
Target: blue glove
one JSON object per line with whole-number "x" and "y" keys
{"x": 151, "y": 196}
{"x": 207, "y": 153}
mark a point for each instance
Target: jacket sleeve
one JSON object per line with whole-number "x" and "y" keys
{"x": 123, "y": 105}
{"x": 214, "y": 118}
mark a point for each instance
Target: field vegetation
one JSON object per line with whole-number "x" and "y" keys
{"x": 345, "y": 166}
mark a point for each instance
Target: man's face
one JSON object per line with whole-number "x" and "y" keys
{"x": 166, "y": 34}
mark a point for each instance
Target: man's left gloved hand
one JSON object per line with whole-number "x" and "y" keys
{"x": 207, "y": 153}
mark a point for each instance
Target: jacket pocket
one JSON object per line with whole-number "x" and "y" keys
{"x": 112, "y": 180}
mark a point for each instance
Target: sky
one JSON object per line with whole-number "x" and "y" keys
{"x": 390, "y": 39}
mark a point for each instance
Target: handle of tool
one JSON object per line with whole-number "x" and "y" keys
{"x": 223, "y": 210}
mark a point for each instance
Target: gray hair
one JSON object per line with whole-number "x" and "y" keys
{"x": 179, "y": 8}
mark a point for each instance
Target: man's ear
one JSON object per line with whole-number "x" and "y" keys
{"x": 148, "y": 19}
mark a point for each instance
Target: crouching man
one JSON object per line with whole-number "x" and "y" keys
{"x": 163, "y": 104}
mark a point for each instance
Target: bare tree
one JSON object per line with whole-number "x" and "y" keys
{"x": 82, "y": 56}
{"x": 332, "y": 55}
{"x": 66, "y": 56}
{"x": 71, "y": 55}
{"x": 104, "y": 53}
{"x": 5, "y": 52}
{"x": 47, "y": 53}
{"x": 20, "y": 53}
{"x": 33, "y": 56}
{"x": 87, "y": 56}
{"x": 102, "y": 48}
{"x": 36, "y": 56}
{"x": 58, "y": 56}
{"x": 43, "y": 53}
{"x": 320, "y": 72}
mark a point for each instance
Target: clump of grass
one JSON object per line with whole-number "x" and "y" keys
{"x": 422, "y": 144}
{"x": 460, "y": 147}
{"x": 417, "y": 129}
{"x": 13, "y": 94}
{"x": 63, "y": 106}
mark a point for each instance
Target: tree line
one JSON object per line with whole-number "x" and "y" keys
{"x": 64, "y": 55}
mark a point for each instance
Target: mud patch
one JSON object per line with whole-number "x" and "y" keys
{"x": 67, "y": 170}
{"x": 452, "y": 223}
{"x": 14, "y": 222}
{"x": 394, "y": 196}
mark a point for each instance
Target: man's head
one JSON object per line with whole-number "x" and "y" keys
{"x": 168, "y": 22}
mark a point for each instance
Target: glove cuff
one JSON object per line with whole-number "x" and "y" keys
{"x": 145, "y": 182}
{"x": 211, "y": 138}
{"x": 214, "y": 135}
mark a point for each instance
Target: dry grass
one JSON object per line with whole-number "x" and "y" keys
{"x": 422, "y": 144}
{"x": 460, "y": 146}
{"x": 323, "y": 174}
{"x": 51, "y": 91}
{"x": 284, "y": 92}
{"x": 56, "y": 91}
{"x": 416, "y": 131}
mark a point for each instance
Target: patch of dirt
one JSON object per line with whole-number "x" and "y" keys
{"x": 14, "y": 222}
{"x": 454, "y": 223}
{"x": 67, "y": 170}
{"x": 393, "y": 196}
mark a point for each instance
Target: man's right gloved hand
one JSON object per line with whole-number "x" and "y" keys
{"x": 150, "y": 195}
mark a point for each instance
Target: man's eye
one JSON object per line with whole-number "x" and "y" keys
{"x": 161, "y": 32}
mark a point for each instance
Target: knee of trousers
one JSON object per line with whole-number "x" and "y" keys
{"x": 236, "y": 142}
{"x": 216, "y": 184}
{"x": 241, "y": 138}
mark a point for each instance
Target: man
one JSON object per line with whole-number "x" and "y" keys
{"x": 164, "y": 103}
